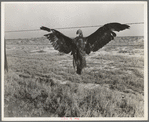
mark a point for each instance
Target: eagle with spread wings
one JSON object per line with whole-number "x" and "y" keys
{"x": 80, "y": 46}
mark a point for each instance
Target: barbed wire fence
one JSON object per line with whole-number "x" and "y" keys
{"x": 31, "y": 30}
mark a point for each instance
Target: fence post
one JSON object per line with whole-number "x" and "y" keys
{"x": 5, "y": 61}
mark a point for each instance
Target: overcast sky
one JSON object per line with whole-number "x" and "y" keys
{"x": 28, "y": 16}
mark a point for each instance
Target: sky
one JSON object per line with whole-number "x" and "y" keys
{"x": 33, "y": 15}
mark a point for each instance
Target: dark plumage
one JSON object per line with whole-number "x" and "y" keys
{"x": 80, "y": 46}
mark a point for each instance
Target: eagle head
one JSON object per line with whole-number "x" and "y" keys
{"x": 79, "y": 33}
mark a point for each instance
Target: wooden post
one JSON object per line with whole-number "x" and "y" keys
{"x": 5, "y": 61}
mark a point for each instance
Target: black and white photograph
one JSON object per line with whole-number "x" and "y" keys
{"x": 74, "y": 61}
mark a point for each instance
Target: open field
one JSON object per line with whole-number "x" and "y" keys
{"x": 41, "y": 82}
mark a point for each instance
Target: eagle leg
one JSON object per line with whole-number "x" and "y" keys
{"x": 79, "y": 70}
{"x": 74, "y": 64}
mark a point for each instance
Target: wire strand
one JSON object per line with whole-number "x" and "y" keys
{"x": 69, "y": 27}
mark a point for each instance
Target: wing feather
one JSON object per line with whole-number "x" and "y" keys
{"x": 58, "y": 40}
{"x": 103, "y": 36}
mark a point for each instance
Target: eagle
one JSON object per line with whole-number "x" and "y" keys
{"x": 81, "y": 46}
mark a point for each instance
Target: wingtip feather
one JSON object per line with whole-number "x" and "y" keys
{"x": 45, "y": 28}
{"x": 126, "y": 26}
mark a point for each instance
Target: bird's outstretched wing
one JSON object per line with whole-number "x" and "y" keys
{"x": 102, "y": 36}
{"x": 59, "y": 41}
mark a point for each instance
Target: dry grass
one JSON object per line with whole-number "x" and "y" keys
{"x": 112, "y": 85}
